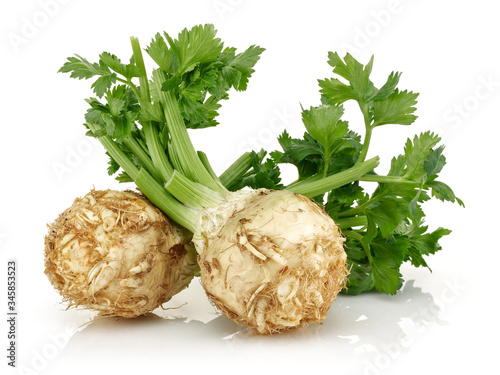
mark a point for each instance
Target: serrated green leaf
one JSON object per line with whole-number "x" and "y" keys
{"x": 335, "y": 91}
{"x": 323, "y": 124}
{"x": 306, "y": 154}
{"x": 428, "y": 243}
{"x": 435, "y": 161}
{"x": 102, "y": 84}
{"x": 355, "y": 73}
{"x": 358, "y": 86}
{"x": 210, "y": 107}
{"x": 152, "y": 112}
{"x": 386, "y": 263}
{"x": 425, "y": 244}
{"x": 238, "y": 68}
{"x": 264, "y": 174}
{"x": 388, "y": 88}
{"x": 115, "y": 106}
{"x": 397, "y": 108}
{"x": 171, "y": 84}
{"x": 94, "y": 116}
{"x": 82, "y": 69}
{"x": 387, "y": 214}
{"x": 123, "y": 177}
{"x": 413, "y": 206}
{"x": 109, "y": 125}
{"x": 122, "y": 128}
{"x": 127, "y": 70}
{"x": 159, "y": 51}
{"x": 443, "y": 192}
{"x": 398, "y": 166}
{"x": 195, "y": 46}
{"x": 417, "y": 153}
{"x": 113, "y": 166}
{"x": 301, "y": 150}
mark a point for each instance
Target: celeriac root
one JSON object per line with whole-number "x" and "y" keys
{"x": 272, "y": 260}
{"x": 116, "y": 253}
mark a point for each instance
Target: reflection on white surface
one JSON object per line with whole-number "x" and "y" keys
{"x": 362, "y": 335}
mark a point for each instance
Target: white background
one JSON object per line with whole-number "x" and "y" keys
{"x": 441, "y": 322}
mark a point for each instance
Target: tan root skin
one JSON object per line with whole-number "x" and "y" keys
{"x": 116, "y": 253}
{"x": 275, "y": 262}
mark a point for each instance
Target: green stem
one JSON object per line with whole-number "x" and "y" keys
{"x": 298, "y": 182}
{"x": 178, "y": 212}
{"x": 359, "y": 209}
{"x": 387, "y": 179}
{"x": 237, "y": 170}
{"x": 174, "y": 158}
{"x": 353, "y": 234}
{"x": 116, "y": 153}
{"x": 139, "y": 62}
{"x": 368, "y": 135}
{"x": 131, "y": 85}
{"x": 349, "y": 222}
{"x": 138, "y": 151}
{"x": 192, "y": 167}
{"x": 157, "y": 152}
{"x": 192, "y": 193}
{"x": 318, "y": 187}
{"x": 359, "y": 237}
{"x": 327, "y": 162}
{"x": 364, "y": 148}
{"x": 204, "y": 159}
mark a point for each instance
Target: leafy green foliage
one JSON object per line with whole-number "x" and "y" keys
{"x": 324, "y": 125}
{"x": 194, "y": 47}
{"x": 238, "y": 68}
{"x": 118, "y": 115}
{"x": 359, "y": 87}
{"x": 383, "y": 106}
{"x": 106, "y": 69}
{"x": 196, "y": 68}
{"x": 308, "y": 154}
{"x": 262, "y": 174}
{"x": 397, "y": 108}
{"x": 116, "y": 118}
{"x": 305, "y": 154}
{"x": 200, "y": 71}
{"x": 384, "y": 227}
